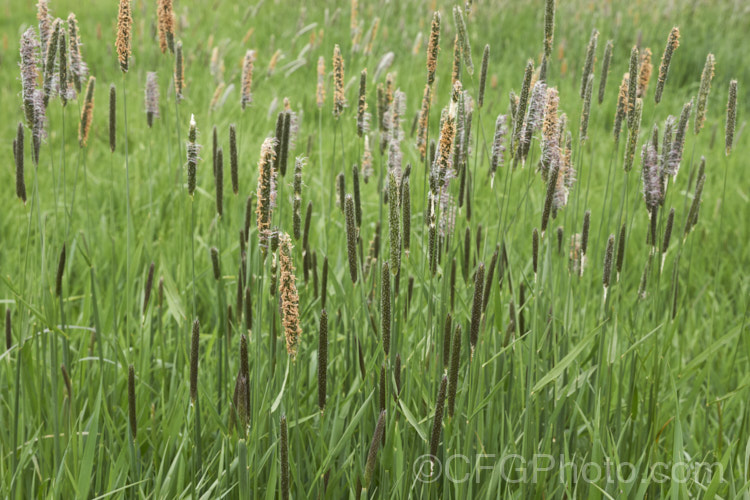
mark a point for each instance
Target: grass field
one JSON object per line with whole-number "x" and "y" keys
{"x": 194, "y": 309}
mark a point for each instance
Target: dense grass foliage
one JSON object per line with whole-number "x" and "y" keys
{"x": 236, "y": 270}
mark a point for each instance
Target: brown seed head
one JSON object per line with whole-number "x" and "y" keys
{"x": 124, "y": 28}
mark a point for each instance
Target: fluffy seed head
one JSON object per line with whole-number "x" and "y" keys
{"x": 49, "y": 63}
{"x": 622, "y": 106}
{"x": 193, "y": 150}
{"x": 29, "y": 72}
{"x": 550, "y": 133}
{"x": 78, "y": 68}
{"x": 45, "y": 25}
{"x": 498, "y": 146}
{"x": 124, "y": 28}
{"x": 264, "y": 196}
{"x": 320, "y": 94}
{"x": 339, "y": 99}
{"x": 289, "y": 296}
{"x": 87, "y": 113}
{"x": 633, "y": 130}
{"x": 64, "y": 88}
{"x": 394, "y": 233}
{"x": 152, "y": 98}
{"x": 549, "y": 27}
{"x": 246, "y": 96}
{"x": 588, "y": 66}
{"x": 605, "y": 69}
{"x": 463, "y": 36}
{"x": 424, "y": 115}
{"x": 363, "y": 117}
{"x": 692, "y": 217}
{"x": 705, "y": 88}
{"x": 633, "y": 84}
{"x": 165, "y": 17}
{"x": 432, "y": 48}
{"x": 672, "y": 43}
{"x": 672, "y": 164}
{"x": 645, "y": 72}
{"x": 652, "y": 184}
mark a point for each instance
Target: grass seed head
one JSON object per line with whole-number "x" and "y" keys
{"x": 633, "y": 84}
{"x": 152, "y": 98}
{"x": 179, "y": 71}
{"x": 165, "y": 18}
{"x": 131, "y": 402}
{"x": 124, "y": 28}
{"x": 149, "y": 286}
{"x": 588, "y": 65}
{"x": 385, "y": 309}
{"x": 233, "y": 159}
{"x": 673, "y": 41}
{"x": 437, "y": 421}
{"x": 112, "y": 118}
{"x": 246, "y": 95}
{"x": 606, "y": 61}
{"x": 393, "y": 222}
{"x": 372, "y": 454}
{"x": 705, "y": 88}
{"x": 339, "y": 99}
{"x": 289, "y": 296}
{"x": 18, "y": 152}
{"x": 351, "y": 237}
{"x": 633, "y": 130}
{"x": 284, "y": 453}
{"x": 193, "y": 150}
{"x": 476, "y": 307}
{"x": 194, "y": 354}
{"x": 645, "y": 72}
{"x": 87, "y": 113}
{"x": 320, "y": 93}
{"x": 608, "y": 255}
{"x": 322, "y": 359}
{"x": 263, "y": 209}
{"x": 463, "y": 36}
{"x": 731, "y": 117}
{"x": 48, "y": 85}
{"x": 453, "y": 373}
{"x": 549, "y": 27}
{"x": 363, "y": 117}
{"x": 433, "y": 47}
{"x": 60, "y": 272}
